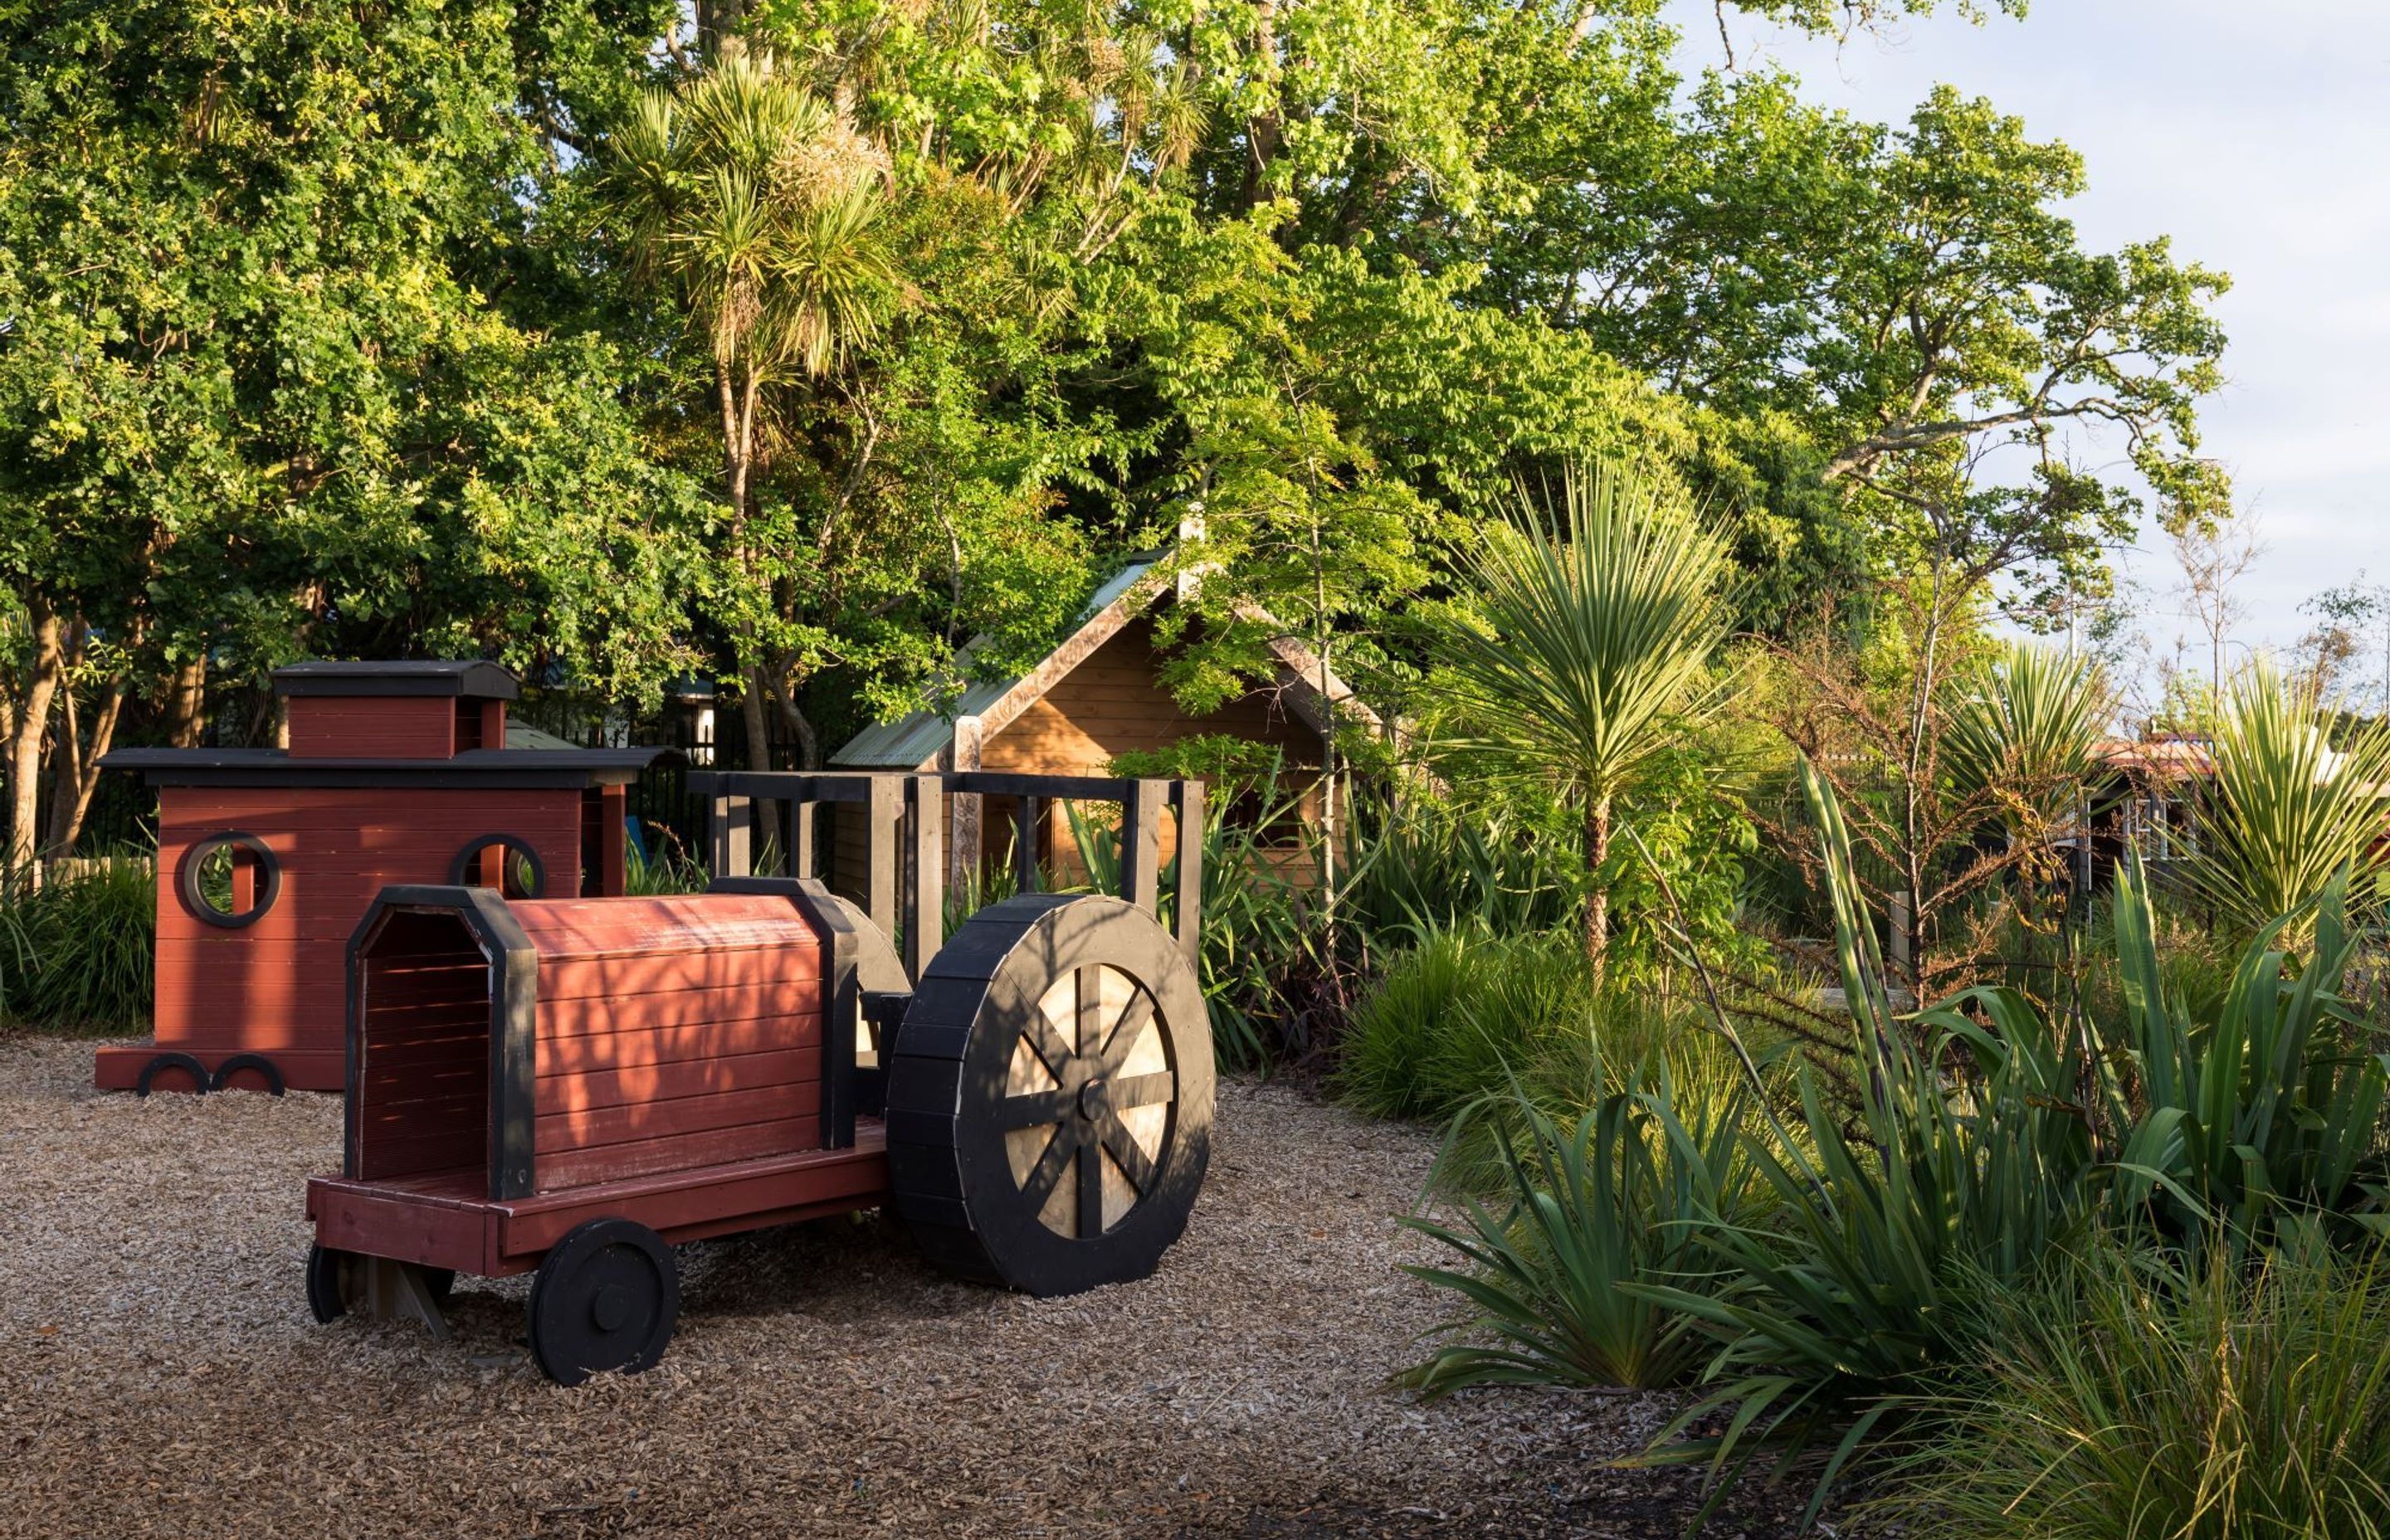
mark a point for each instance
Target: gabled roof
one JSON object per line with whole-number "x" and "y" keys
{"x": 915, "y": 740}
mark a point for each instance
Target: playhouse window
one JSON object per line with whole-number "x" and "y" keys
{"x": 505, "y": 862}
{"x": 229, "y": 879}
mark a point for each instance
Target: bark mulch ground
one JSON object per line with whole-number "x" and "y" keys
{"x": 160, "y": 1374}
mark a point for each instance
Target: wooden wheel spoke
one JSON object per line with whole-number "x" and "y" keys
{"x": 1047, "y": 1043}
{"x": 1125, "y": 1031}
{"x": 1091, "y": 1190}
{"x": 1034, "y": 1110}
{"x": 1141, "y": 1090}
{"x": 1128, "y": 1154}
{"x": 1043, "y": 1178}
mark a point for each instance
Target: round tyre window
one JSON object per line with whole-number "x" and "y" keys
{"x": 505, "y": 862}
{"x": 228, "y": 880}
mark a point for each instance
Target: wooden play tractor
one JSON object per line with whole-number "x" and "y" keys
{"x": 572, "y": 1088}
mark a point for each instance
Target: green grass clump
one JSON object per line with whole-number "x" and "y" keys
{"x": 2140, "y": 1397}
{"x": 78, "y": 951}
{"x": 1460, "y": 1016}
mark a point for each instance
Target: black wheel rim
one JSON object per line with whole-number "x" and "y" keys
{"x": 329, "y": 1283}
{"x": 604, "y": 1300}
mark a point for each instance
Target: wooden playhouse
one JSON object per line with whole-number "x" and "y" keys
{"x": 268, "y": 858}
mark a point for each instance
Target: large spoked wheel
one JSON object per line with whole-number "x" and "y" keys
{"x": 604, "y": 1298}
{"x": 1050, "y": 1100}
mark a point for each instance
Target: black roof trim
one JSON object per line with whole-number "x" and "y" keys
{"x": 459, "y": 676}
{"x": 473, "y": 769}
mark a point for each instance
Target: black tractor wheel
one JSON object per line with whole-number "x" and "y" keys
{"x": 336, "y": 1282}
{"x": 604, "y": 1298}
{"x": 1049, "y": 1099}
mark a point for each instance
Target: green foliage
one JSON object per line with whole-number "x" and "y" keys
{"x": 1459, "y": 1015}
{"x": 2287, "y": 807}
{"x": 2021, "y": 732}
{"x": 1620, "y": 1199}
{"x": 77, "y": 951}
{"x": 2267, "y": 1109}
{"x": 1592, "y": 628}
{"x": 2136, "y": 1398}
{"x": 256, "y": 396}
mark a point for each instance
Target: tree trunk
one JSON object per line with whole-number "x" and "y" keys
{"x": 1597, "y": 898}
{"x": 759, "y": 726}
{"x": 784, "y": 695}
{"x": 186, "y": 717}
{"x": 78, "y": 767}
{"x": 48, "y": 664}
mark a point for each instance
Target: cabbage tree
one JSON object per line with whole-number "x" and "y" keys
{"x": 1594, "y": 618}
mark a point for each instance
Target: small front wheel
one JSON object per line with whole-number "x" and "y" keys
{"x": 336, "y": 1282}
{"x": 604, "y": 1300}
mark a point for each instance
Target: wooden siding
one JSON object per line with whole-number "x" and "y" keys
{"x": 386, "y": 726}
{"x": 673, "y": 1032}
{"x": 277, "y": 985}
{"x": 1114, "y": 703}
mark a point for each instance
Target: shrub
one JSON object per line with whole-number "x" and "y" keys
{"x": 1618, "y": 1199}
{"x": 78, "y": 951}
{"x": 1458, "y": 1017}
{"x": 2140, "y": 1398}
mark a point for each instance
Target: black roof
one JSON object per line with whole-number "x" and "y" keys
{"x": 458, "y": 676}
{"x": 473, "y": 768}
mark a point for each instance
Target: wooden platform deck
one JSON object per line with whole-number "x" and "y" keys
{"x": 446, "y": 1218}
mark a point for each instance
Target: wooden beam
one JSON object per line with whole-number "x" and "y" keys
{"x": 963, "y": 878}
{"x": 925, "y": 918}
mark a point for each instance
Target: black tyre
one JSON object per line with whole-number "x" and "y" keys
{"x": 172, "y": 1063}
{"x": 248, "y": 1063}
{"x": 1049, "y": 1099}
{"x": 604, "y": 1300}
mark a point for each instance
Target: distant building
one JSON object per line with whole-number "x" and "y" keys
{"x": 1094, "y": 697}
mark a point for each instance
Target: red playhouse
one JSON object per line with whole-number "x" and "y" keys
{"x": 396, "y": 772}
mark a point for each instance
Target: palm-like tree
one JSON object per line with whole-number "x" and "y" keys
{"x": 745, "y": 199}
{"x": 2022, "y": 737}
{"x": 2286, "y": 810}
{"x": 1594, "y": 624}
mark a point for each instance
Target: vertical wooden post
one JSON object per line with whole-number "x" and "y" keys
{"x": 733, "y": 836}
{"x": 1025, "y": 821}
{"x": 925, "y": 923}
{"x": 613, "y": 802}
{"x": 801, "y": 837}
{"x": 883, "y": 817}
{"x": 1140, "y": 855}
{"x": 1187, "y": 802}
{"x": 963, "y": 877}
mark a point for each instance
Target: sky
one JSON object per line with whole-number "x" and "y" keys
{"x": 2257, "y": 134}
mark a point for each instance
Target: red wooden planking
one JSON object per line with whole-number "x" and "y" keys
{"x": 615, "y": 1161}
{"x": 574, "y": 1093}
{"x": 119, "y": 1069}
{"x": 655, "y": 1122}
{"x": 387, "y": 1154}
{"x": 600, "y": 1051}
{"x": 664, "y": 1010}
{"x": 374, "y": 727}
{"x": 692, "y": 922}
{"x": 626, "y": 976}
{"x": 714, "y": 1200}
{"x": 424, "y": 1217}
{"x": 429, "y": 1227}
